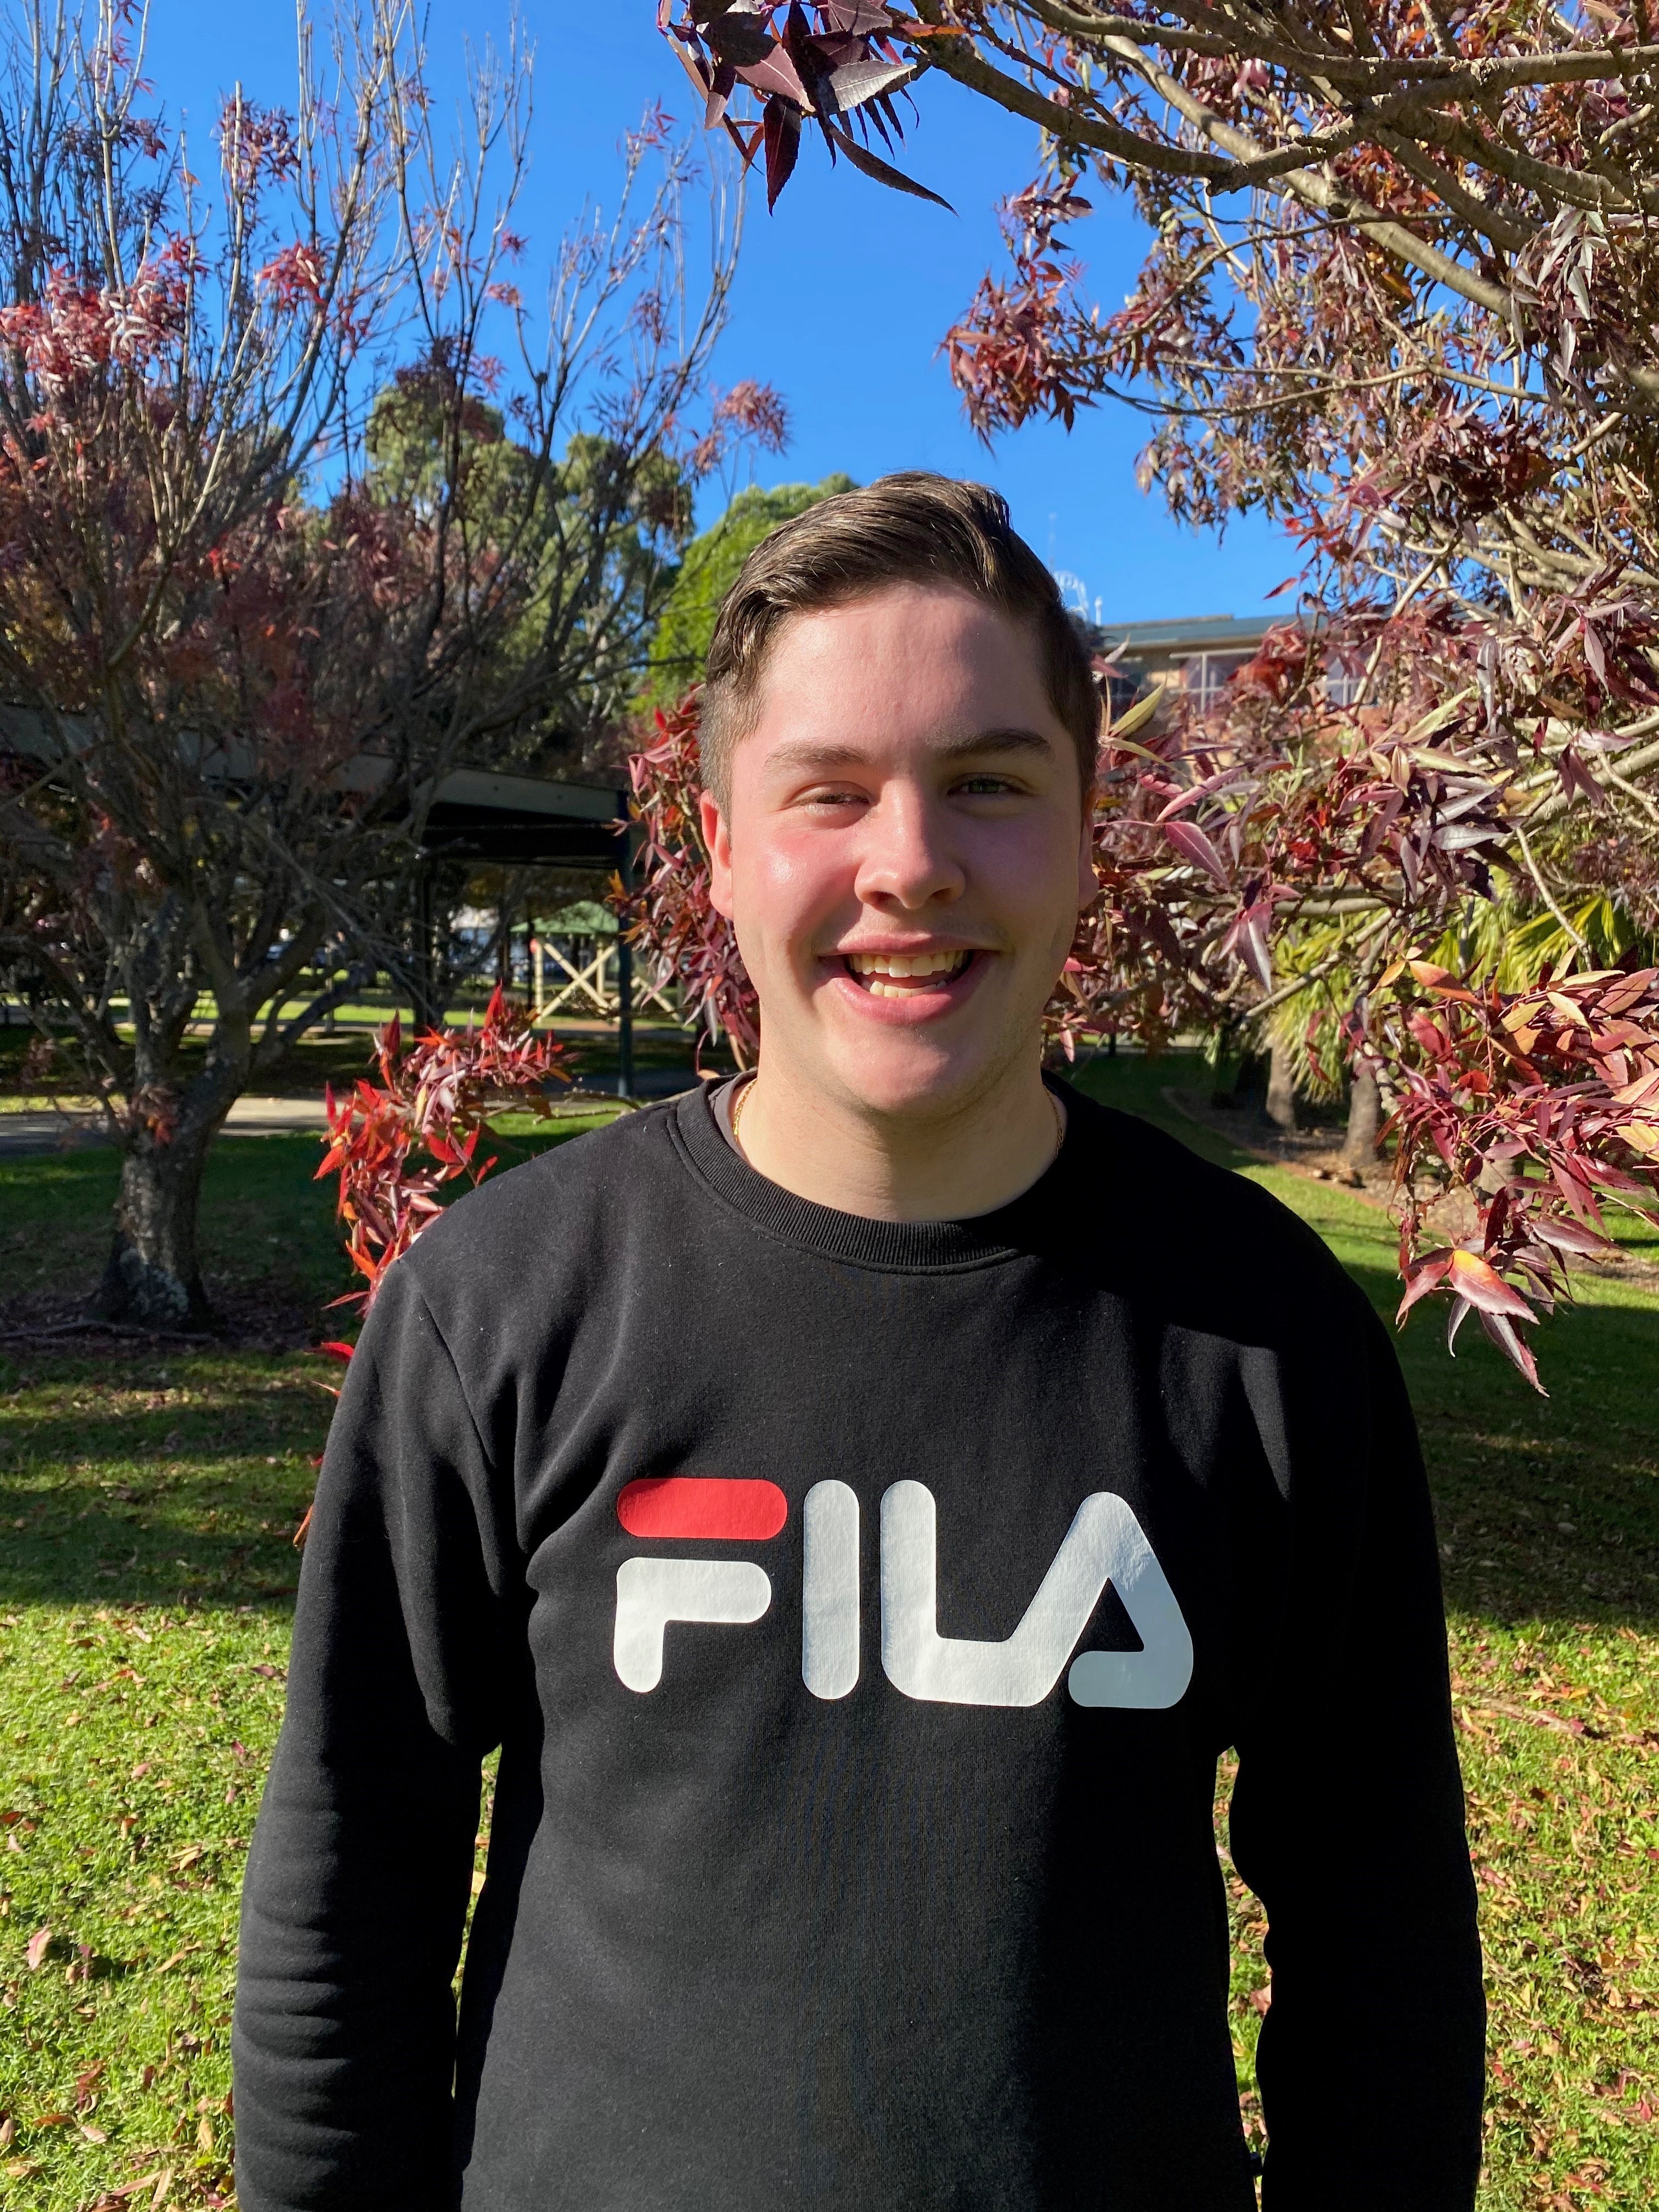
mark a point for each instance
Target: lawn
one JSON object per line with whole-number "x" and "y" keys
{"x": 148, "y": 1501}
{"x": 339, "y": 1057}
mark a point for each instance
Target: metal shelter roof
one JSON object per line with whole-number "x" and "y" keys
{"x": 1189, "y": 633}
{"x": 519, "y": 820}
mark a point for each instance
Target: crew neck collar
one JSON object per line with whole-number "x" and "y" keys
{"x": 1005, "y": 1233}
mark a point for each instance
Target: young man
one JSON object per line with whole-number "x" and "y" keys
{"x": 863, "y": 1505}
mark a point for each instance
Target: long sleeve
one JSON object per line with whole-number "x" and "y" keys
{"x": 358, "y": 1878}
{"x": 1347, "y": 1821}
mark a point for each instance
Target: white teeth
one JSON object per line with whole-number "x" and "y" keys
{"x": 906, "y": 964}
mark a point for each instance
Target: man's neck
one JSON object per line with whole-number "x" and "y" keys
{"x": 901, "y": 1167}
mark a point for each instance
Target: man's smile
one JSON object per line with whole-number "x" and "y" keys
{"x": 903, "y": 975}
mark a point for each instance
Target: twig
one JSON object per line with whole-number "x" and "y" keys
{"x": 1344, "y": 955}
{"x": 1544, "y": 891}
{"x": 1587, "y": 1731}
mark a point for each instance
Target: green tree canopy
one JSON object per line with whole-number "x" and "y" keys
{"x": 583, "y": 546}
{"x": 706, "y": 573}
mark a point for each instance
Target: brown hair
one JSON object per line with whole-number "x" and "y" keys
{"x": 910, "y": 528}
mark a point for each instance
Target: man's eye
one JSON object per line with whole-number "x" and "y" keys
{"x": 982, "y": 786}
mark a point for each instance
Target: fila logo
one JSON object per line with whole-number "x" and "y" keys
{"x": 1104, "y": 1544}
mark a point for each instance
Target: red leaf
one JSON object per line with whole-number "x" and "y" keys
{"x": 1502, "y": 1333}
{"x": 776, "y": 76}
{"x": 1192, "y": 844}
{"x": 1427, "y": 1275}
{"x": 1568, "y": 1237}
{"x": 882, "y": 172}
{"x": 782, "y": 147}
{"x": 336, "y": 1348}
{"x": 35, "y": 1950}
{"x": 1475, "y": 1280}
{"x": 1576, "y": 1192}
{"x": 738, "y": 37}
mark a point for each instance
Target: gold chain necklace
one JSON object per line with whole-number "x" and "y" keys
{"x": 748, "y": 1084}
{"x": 745, "y": 1086}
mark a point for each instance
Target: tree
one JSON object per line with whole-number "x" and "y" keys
{"x": 243, "y": 633}
{"x": 397, "y": 1143}
{"x": 1399, "y": 295}
{"x": 670, "y": 914}
{"x": 706, "y": 571}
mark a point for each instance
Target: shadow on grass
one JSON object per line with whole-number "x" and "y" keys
{"x": 167, "y": 1473}
{"x": 1546, "y": 1508}
{"x": 157, "y": 1480}
{"x": 158, "y": 1475}
{"x": 271, "y": 1245}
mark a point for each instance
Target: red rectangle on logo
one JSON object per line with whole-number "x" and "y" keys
{"x": 702, "y": 1507}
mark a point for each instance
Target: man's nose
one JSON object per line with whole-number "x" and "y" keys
{"x": 909, "y": 857}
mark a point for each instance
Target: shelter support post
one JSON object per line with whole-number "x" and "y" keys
{"x": 625, "y": 984}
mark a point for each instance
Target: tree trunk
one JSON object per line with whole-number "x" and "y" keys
{"x": 1281, "y": 1087}
{"x": 1365, "y": 1120}
{"x": 153, "y": 1276}
{"x": 425, "y": 976}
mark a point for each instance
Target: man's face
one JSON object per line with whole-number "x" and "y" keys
{"x": 904, "y": 853}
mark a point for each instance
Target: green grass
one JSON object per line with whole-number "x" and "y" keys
{"x": 1549, "y": 1516}
{"x": 318, "y": 1058}
{"x": 135, "y": 1733}
{"x": 147, "y": 1506}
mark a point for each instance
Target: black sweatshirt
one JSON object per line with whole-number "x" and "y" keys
{"x": 861, "y": 1607}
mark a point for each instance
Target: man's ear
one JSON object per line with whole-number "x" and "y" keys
{"x": 718, "y": 839}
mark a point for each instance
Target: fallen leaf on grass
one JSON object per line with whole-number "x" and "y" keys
{"x": 1571, "y": 1726}
{"x": 35, "y": 1952}
{"x": 92, "y": 2134}
{"x": 1530, "y": 1713}
{"x": 167, "y": 1964}
{"x": 113, "y": 2200}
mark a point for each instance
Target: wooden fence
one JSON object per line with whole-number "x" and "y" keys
{"x": 584, "y": 981}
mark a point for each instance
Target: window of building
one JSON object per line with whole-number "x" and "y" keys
{"x": 1206, "y": 675}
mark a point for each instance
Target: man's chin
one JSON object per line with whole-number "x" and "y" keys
{"x": 918, "y": 1075}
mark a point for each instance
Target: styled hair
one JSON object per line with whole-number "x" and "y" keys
{"x": 911, "y": 528}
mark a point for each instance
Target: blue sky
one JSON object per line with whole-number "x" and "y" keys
{"x": 843, "y": 295}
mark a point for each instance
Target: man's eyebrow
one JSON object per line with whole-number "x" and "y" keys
{"x": 1012, "y": 740}
{"x": 808, "y": 753}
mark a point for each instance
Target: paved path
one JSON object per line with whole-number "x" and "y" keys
{"x": 77, "y": 1126}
